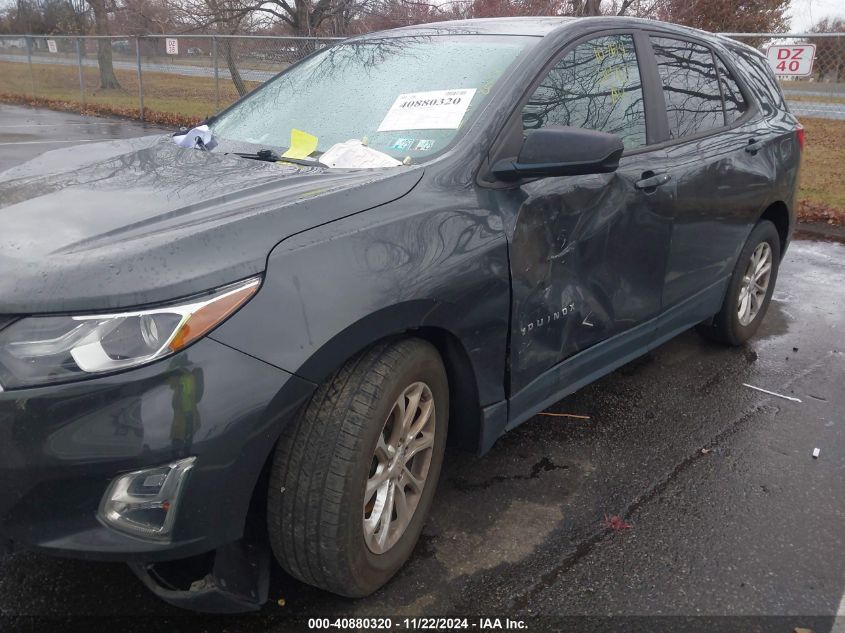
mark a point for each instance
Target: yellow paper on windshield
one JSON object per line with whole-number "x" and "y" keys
{"x": 302, "y": 144}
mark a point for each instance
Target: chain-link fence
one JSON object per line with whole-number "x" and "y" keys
{"x": 166, "y": 78}
{"x": 177, "y": 78}
{"x": 811, "y": 69}
{"x": 216, "y": 70}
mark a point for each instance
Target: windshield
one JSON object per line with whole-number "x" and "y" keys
{"x": 406, "y": 97}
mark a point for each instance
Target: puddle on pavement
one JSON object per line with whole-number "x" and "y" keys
{"x": 512, "y": 536}
{"x": 778, "y": 317}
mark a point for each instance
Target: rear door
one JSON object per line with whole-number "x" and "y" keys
{"x": 712, "y": 145}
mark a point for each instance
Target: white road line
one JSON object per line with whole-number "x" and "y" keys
{"x": 82, "y": 140}
{"x": 771, "y": 393}
{"x": 839, "y": 621}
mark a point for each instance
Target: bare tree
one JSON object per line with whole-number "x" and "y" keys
{"x": 745, "y": 16}
{"x": 108, "y": 80}
{"x": 65, "y": 16}
{"x": 44, "y": 16}
{"x": 586, "y": 7}
{"x": 636, "y": 8}
{"x": 224, "y": 17}
{"x": 304, "y": 17}
{"x": 148, "y": 17}
{"x": 830, "y": 51}
{"x": 377, "y": 15}
{"x": 461, "y": 9}
{"x": 229, "y": 17}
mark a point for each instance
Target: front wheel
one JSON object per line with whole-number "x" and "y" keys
{"x": 353, "y": 479}
{"x": 750, "y": 290}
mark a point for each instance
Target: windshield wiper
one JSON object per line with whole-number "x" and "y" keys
{"x": 268, "y": 155}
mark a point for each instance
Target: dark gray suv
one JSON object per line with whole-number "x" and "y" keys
{"x": 259, "y": 335}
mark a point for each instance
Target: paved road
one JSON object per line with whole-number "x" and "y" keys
{"x": 731, "y": 515}
{"x": 28, "y": 132}
{"x": 186, "y": 70}
{"x": 817, "y": 110}
{"x": 834, "y": 90}
{"x": 800, "y": 108}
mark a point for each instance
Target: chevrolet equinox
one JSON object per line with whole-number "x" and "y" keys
{"x": 253, "y": 339}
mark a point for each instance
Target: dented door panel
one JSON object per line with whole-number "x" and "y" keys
{"x": 588, "y": 258}
{"x": 722, "y": 189}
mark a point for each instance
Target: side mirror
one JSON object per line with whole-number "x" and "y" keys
{"x": 562, "y": 151}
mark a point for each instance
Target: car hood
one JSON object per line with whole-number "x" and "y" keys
{"x": 131, "y": 222}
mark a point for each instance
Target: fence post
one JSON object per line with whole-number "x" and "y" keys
{"x": 29, "y": 61}
{"x": 140, "y": 77}
{"x": 216, "y": 74}
{"x": 81, "y": 73}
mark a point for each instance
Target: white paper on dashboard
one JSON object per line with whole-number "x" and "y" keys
{"x": 432, "y": 110}
{"x": 354, "y": 154}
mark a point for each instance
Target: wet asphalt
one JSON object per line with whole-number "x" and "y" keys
{"x": 27, "y": 132}
{"x": 724, "y": 510}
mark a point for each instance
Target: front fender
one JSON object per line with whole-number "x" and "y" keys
{"x": 334, "y": 290}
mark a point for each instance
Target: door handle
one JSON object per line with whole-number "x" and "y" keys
{"x": 753, "y": 146}
{"x": 652, "y": 182}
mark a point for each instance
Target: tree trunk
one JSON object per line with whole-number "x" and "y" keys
{"x": 240, "y": 86}
{"x": 108, "y": 81}
{"x": 592, "y": 7}
{"x": 586, "y": 7}
{"x": 303, "y": 20}
{"x": 302, "y": 28}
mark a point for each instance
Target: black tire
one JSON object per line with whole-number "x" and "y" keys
{"x": 725, "y": 327}
{"x": 323, "y": 461}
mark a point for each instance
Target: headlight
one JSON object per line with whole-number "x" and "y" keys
{"x": 42, "y": 350}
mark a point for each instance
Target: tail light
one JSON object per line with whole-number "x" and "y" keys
{"x": 799, "y": 134}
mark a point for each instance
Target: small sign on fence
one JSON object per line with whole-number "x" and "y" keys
{"x": 51, "y": 46}
{"x": 794, "y": 60}
{"x": 171, "y": 44}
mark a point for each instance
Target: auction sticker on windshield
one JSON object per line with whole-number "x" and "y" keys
{"x": 432, "y": 110}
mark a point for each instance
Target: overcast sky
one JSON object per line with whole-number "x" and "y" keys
{"x": 805, "y": 13}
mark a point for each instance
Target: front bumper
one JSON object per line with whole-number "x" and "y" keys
{"x": 61, "y": 446}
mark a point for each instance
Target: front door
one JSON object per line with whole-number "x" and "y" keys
{"x": 588, "y": 253}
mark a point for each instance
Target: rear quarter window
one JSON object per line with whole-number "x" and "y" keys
{"x": 762, "y": 80}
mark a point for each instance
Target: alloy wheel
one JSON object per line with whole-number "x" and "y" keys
{"x": 400, "y": 466}
{"x": 755, "y": 284}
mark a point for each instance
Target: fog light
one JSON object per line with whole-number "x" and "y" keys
{"x": 144, "y": 502}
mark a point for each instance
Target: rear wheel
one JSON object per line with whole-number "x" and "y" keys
{"x": 353, "y": 479}
{"x": 750, "y": 290}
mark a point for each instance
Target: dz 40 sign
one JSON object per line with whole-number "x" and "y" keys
{"x": 795, "y": 60}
